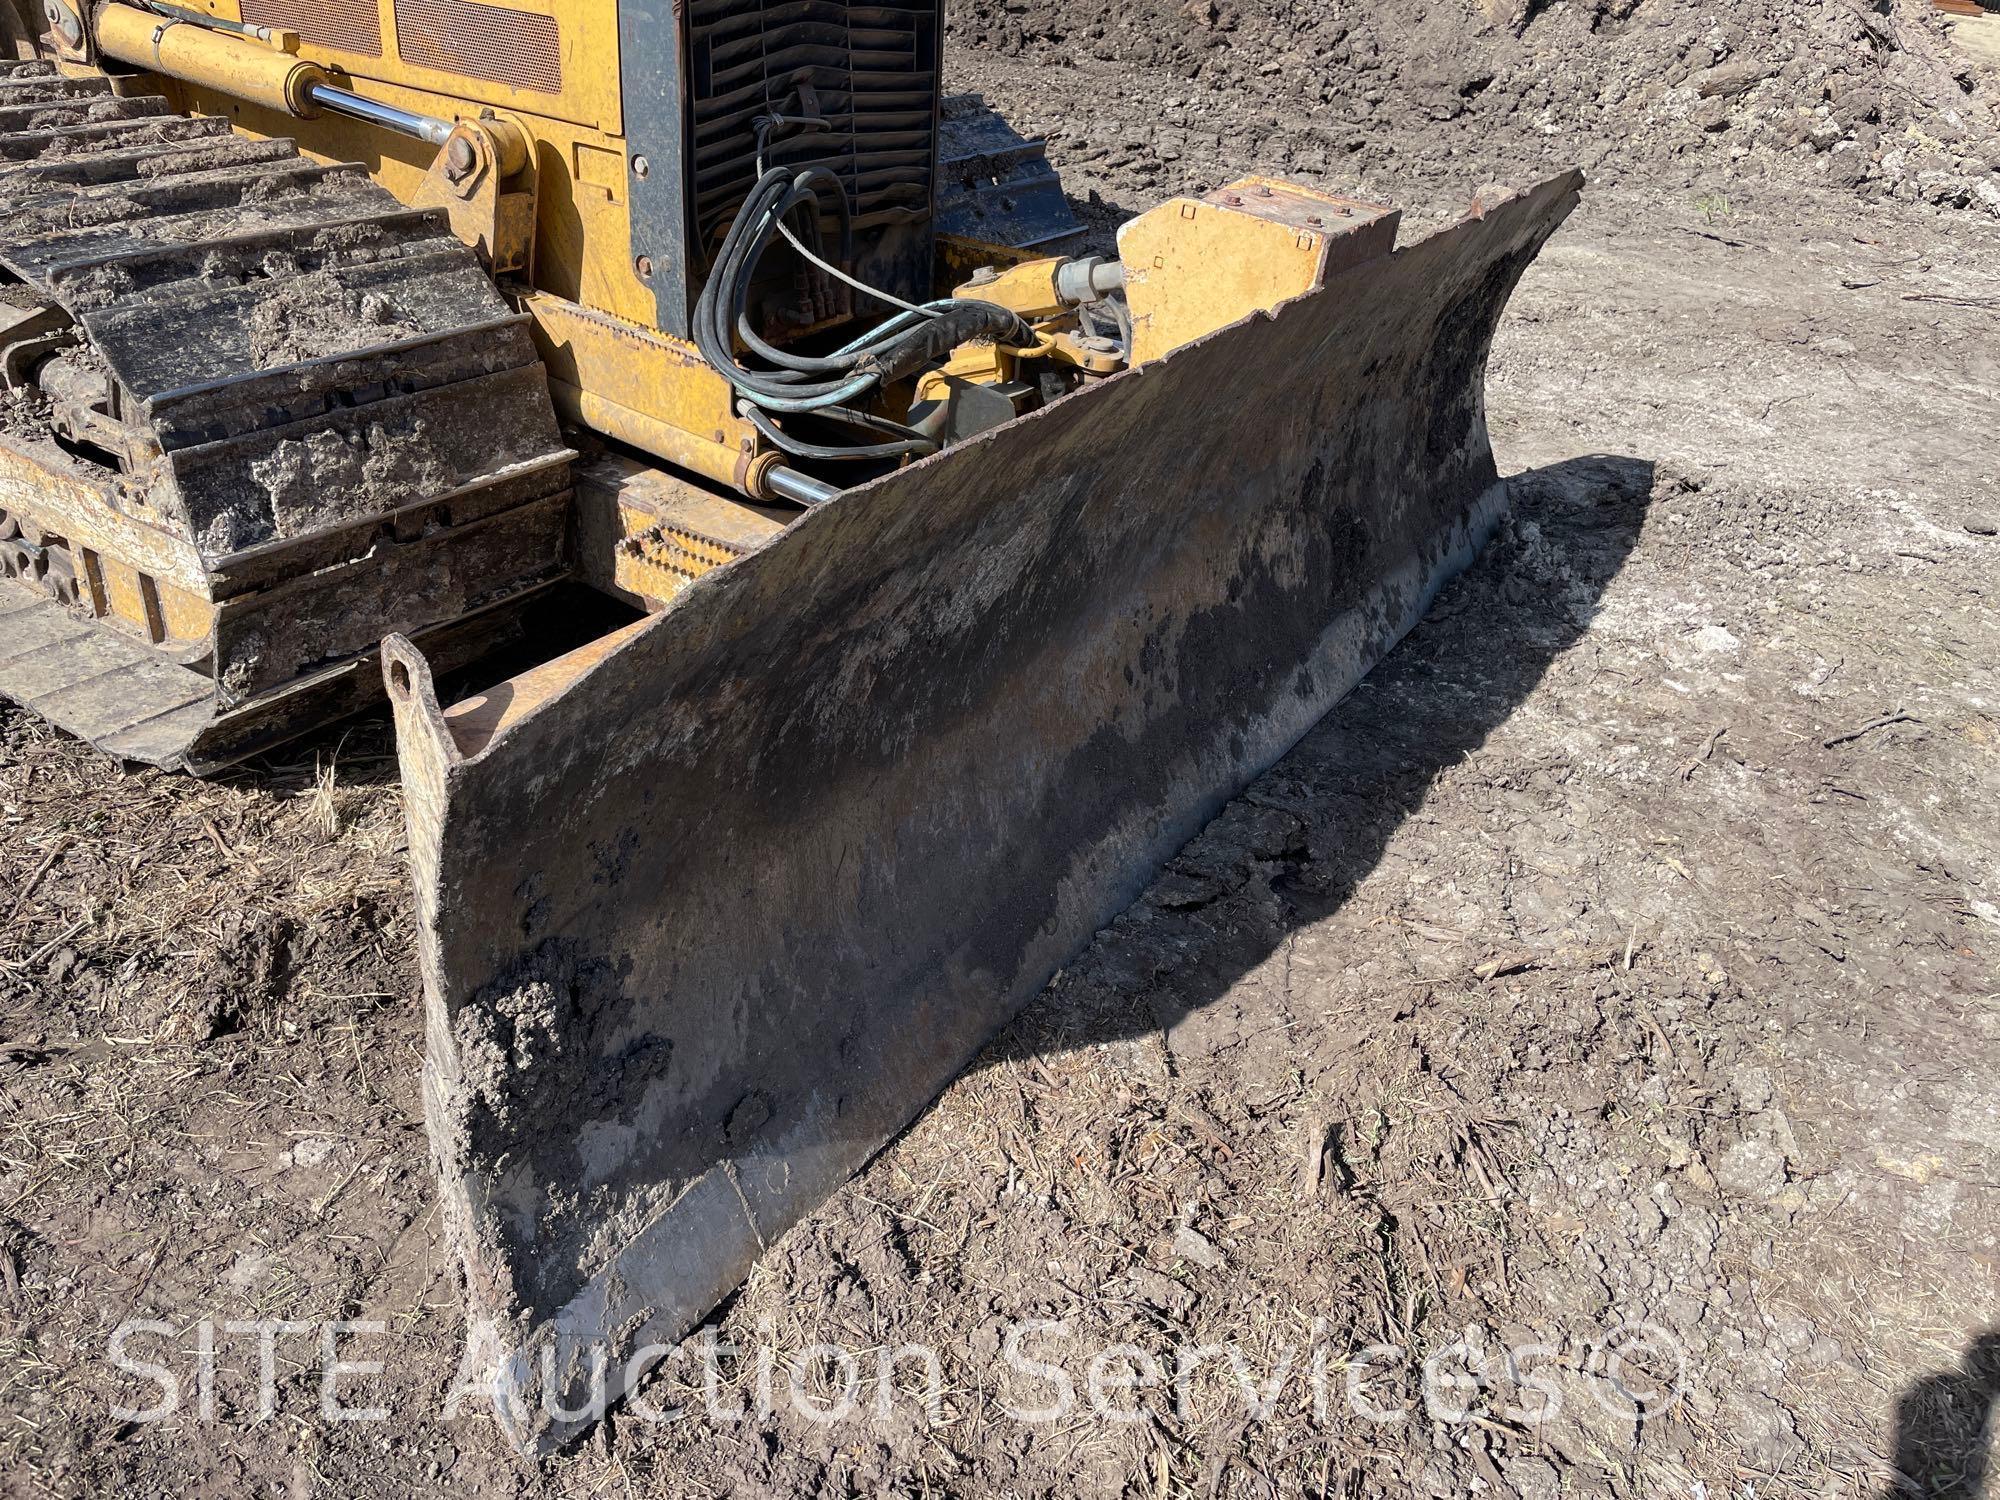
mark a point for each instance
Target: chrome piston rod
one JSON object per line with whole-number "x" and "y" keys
{"x": 340, "y": 102}
{"x": 801, "y": 489}
{"x": 237, "y": 59}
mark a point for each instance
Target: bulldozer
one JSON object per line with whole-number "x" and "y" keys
{"x": 887, "y": 586}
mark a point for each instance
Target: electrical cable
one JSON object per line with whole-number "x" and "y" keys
{"x": 839, "y": 275}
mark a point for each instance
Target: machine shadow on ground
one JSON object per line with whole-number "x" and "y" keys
{"x": 1353, "y": 779}
{"x": 1944, "y": 1427}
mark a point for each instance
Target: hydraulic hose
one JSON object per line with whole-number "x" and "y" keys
{"x": 914, "y": 445}
{"x": 824, "y": 385}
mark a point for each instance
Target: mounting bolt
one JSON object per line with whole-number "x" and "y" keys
{"x": 1263, "y": 191}
{"x": 645, "y": 266}
{"x": 641, "y": 167}
{"x": 1234, "y": 200}
{"x": 1314, "y": 220}
{"x": 459, "y": 159}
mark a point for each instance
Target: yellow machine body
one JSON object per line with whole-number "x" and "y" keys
{"x": 550, "y": 70}
{"x": 537, "y": 176}
{"x": 549, "y": 66}
{"x": 547, "y": 74}
{"x": 1193, "y": 265}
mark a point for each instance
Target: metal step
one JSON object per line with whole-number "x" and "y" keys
{"x": 96, "y": 682}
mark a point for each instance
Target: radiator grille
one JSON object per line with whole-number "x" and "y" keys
{"x": 872, "y": 71}
{"x": 492, "y": 42}
{"x": 347, "y": 25}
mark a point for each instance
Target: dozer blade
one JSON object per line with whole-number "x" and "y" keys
{"x": 712, "y": 909}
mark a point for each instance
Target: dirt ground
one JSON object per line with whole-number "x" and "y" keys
{"x": 1574, "y": 1070}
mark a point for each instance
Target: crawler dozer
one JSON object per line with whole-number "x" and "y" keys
{"x": 890, "y": 584}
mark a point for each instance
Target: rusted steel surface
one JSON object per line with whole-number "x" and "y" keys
{"x": 709, "y": 924}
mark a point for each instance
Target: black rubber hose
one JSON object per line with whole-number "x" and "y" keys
{"x": 965, "y": 320}
{"x": 731, "y": 278}
{"x": 721, "y": 274}
{"x": 803, "y": 183}
{"x": 846, "y": 360}
{"x": 900, "y": 347}
{"x": 916, "y": 445}
{"x": 842, "y": 365}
